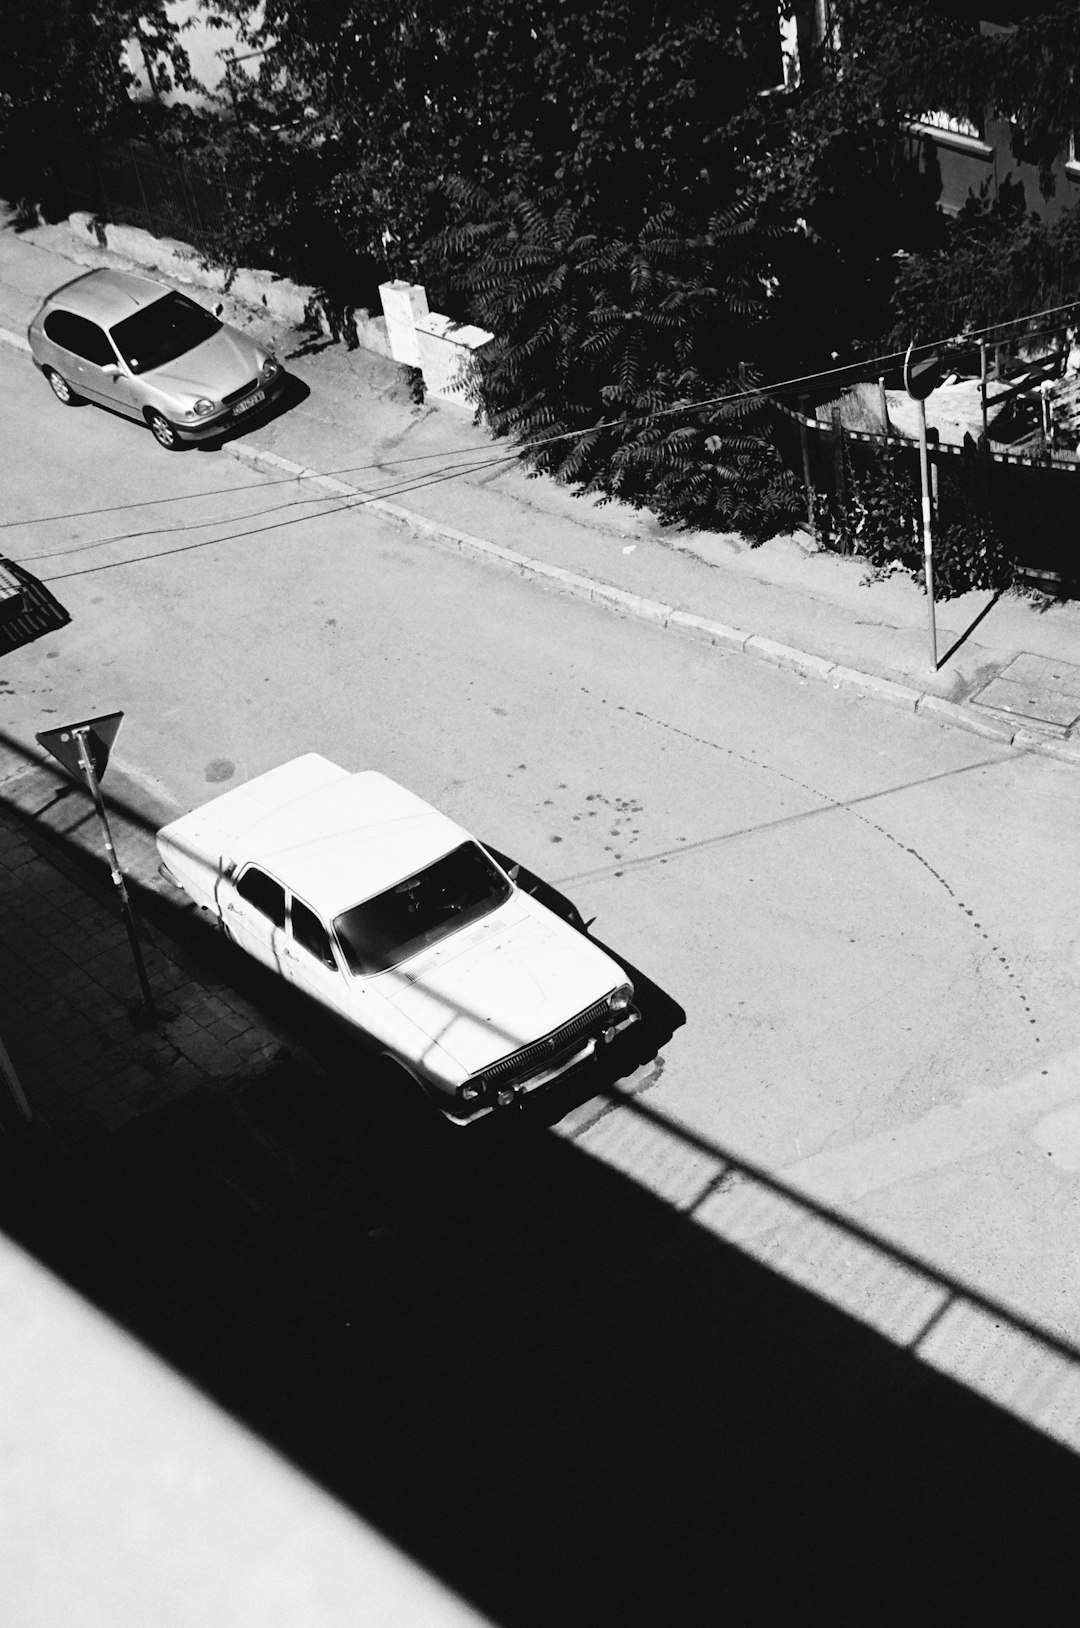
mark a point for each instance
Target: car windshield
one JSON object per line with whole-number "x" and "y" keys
{"x": 416, "y": 913}
{"x": 161, "y": 332}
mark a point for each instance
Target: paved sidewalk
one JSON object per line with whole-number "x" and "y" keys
{"x": 1009, "y": 667}
{"x": 74, "y": 1023}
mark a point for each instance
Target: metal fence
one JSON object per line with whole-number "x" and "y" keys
{"x": 1032, "y": 498}
{"x": 168, "y": 194}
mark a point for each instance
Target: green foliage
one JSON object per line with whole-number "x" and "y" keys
{"x": 829, "y": 157}
{"x": 899, "y": 58}
{"x": 413, "y": 379}
{"x": 611, "y": 351}
{"x": 880, "y": 260}
{"x": 62, "y": 66}
{"x": 881, "y": 521}
{"x": 997, "y": 263}
{"x": 272, "y": 212}
{"x": 621, "y": 104}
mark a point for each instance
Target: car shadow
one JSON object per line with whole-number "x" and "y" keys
{"x": 637, "y": 1046}
{"x": 293, "y": 392}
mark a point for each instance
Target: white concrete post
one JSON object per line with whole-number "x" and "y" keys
{"x": 446, "y": 350}
{"x": 404, "y": 305}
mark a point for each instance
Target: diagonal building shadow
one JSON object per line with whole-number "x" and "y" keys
{"x": 547, "y": 1386}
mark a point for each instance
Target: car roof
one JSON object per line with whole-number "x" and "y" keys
{"x": 332, "y": 837}
{"x": 335, "y": 872}
{"x": 350, "y": 839}
{"x": 107, "y": 296}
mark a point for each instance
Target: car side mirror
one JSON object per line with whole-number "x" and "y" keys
{"x": 112, "y": 369}
{"x": 514, "y": 871}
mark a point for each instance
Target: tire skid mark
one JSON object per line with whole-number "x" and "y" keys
{"x": 855, "y": 814}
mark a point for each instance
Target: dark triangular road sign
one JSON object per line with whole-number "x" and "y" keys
{"x": 99, "y": 733}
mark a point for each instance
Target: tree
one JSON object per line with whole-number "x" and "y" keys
{"x": 830, "y": 158}
{"x": 837, "y": 155}
{"x": 63, "y": 66}
{"x": 613, "y": 364}
{"x": 621, "y": 104}
{"x": 998, "y": 263}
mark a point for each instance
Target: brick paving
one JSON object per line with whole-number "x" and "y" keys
{"x": 73, "y": 1022}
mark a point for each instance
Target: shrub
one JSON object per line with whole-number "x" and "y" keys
{"x": 613, "y": 364}
{"x": 881, "y": 520}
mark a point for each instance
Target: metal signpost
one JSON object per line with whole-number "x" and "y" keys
{"x": 83, "y": 750}
{"x": 16, "y": 1096}
{"x": 920, "y": 379}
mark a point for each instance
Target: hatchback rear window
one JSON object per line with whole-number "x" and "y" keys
{"x": 161, "y": 332}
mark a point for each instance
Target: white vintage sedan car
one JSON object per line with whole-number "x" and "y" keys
{"x": 389, "y": 913}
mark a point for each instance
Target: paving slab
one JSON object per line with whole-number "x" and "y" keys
{"x": 73, "y": 1024}
{"x": 1037, "y": 688}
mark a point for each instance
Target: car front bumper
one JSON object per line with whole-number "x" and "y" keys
{"x": 221, "y": 423}
{"x": 515, "y": 1090}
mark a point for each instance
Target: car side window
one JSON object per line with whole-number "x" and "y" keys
{"x": 60, "y": 328}
{"x": 266, "y": 895}
{"x": 80, "y": 335}
{"x": 310, "y": 934}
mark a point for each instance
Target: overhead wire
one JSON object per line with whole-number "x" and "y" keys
{"x": 380, "y": 494}
{"x": 473, "y": 460}
{"x": 340, "y": 505}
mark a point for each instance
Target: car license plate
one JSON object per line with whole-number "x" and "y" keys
{"x": 250, "y": 401}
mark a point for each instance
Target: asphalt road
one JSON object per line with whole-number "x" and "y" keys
{"x": 866, "y": 918}
{"x": 537, "y": 1379}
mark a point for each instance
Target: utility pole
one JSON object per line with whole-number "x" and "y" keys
{"x": 921, "y": 378}
{"x": 927, "y": 532}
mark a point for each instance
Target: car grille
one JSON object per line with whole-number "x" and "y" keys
{"x": 534, "y": 1056}
{"x": 238, "y": 395}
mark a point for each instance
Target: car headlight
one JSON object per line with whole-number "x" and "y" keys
{"x": 202, "y": 407}
{"x": 471, "y": 1095}
{"x": 271, "y": 367}
{"x": 620, "y": 999}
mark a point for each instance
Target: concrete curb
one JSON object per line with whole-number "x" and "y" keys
{"x": 888, "y": 690}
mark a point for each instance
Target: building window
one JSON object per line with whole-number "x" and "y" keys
{"x": 950, "y": 122}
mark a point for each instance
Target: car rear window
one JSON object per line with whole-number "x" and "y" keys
{"x": 457, "y": 889}
{"x": 161, "y": 332}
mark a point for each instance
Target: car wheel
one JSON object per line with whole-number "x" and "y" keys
{"x": 61, "y": 389}
{"x": 163, "y": 432}
{"x": 404, "y": 1100}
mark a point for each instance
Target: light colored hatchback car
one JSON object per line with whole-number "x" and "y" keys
{"x": 393, "y": 916}
{"x": 151, "y": 353}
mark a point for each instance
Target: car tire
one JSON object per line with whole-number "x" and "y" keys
{"x": 404, "y": 1099}
{"x": 163, "y": 432}
{"x": 61, "y": 389}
